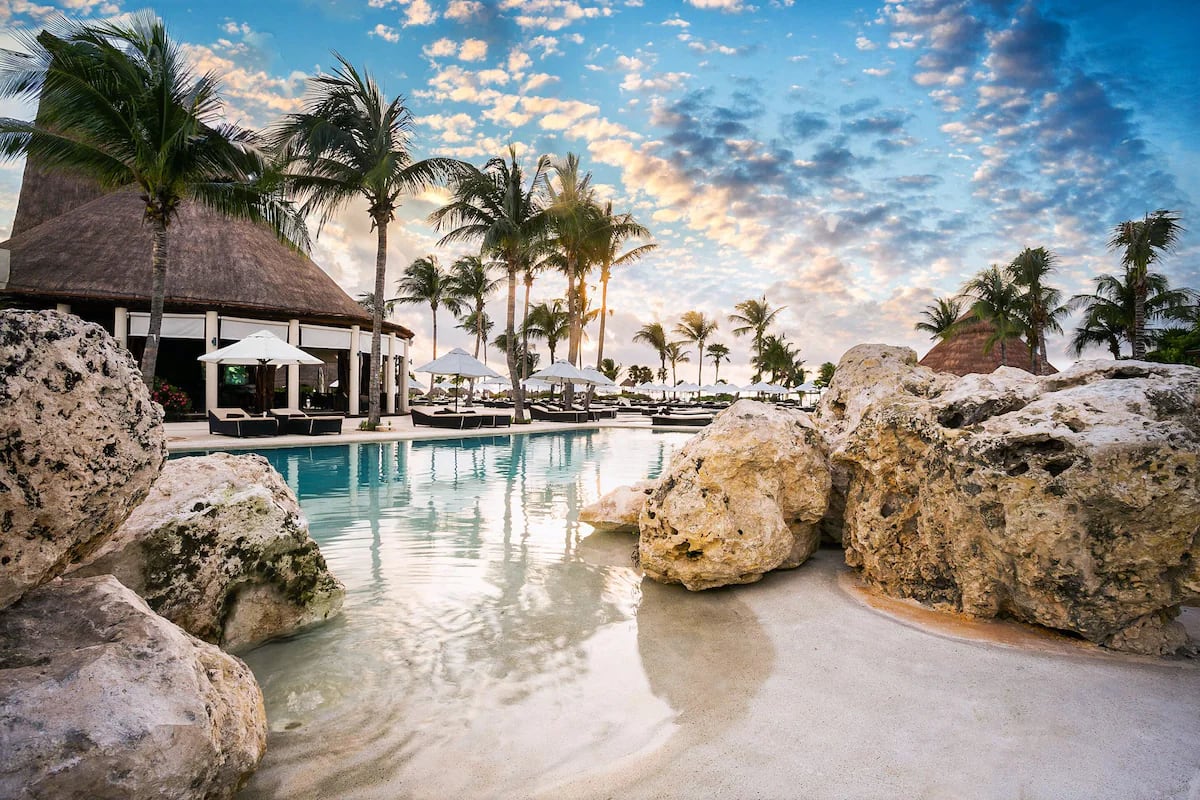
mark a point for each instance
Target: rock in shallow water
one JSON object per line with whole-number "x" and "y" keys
{"x": 1071, "y": 501}
{"x": 220, "y": 548}
{"x": 102, "y": 698}
{"x": 740, "y": 499}
{"x": 80, "y": 443}
{"x": 620, "y": 509}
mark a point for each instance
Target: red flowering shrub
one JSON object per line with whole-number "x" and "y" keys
{"x": 174, "y": 400}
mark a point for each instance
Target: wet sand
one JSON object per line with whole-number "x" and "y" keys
{"x": 864, "y": 702}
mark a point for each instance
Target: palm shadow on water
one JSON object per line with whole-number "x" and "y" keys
{"x": 482, "y": 635}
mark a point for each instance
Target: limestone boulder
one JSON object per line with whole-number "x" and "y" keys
{"x": 221, "y": 548}
{"x": 80, "y": 444}
{"x": 620, "y": 509}
{"x": 742, "y": 498}
{"x": 1070, "y": 501}
{"x": 102, "y": 698}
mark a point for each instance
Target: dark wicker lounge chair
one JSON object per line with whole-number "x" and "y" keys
{"x": 544, "y": 414}
{"x": 491, "y": 420}
{"x": 451, "y": 421}
{"x": 687, "y": 420}
{"x": 236, "y": 422}
{"x": 293, "y": 420}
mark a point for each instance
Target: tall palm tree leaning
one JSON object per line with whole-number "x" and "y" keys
{"x": 996, "y": 303}
{"x": 695, "y": 327}
{"x": 1143, "y": 242}
{"x": 939, "y": 317}
{"x": 471, "y": 283}
{"x": 496, "y": 208}
{"x": 548, "y": 321}
{"x": 654, "y": 335}
{"x": 615, "y": 230}
{"x": 754, "y": 317}
{"x": 718, "y": 353}
{"x": 424, "y": 281}
{"x": 1043, "y": 305}
{"x": 118, "y": 103}
{"x": 350, "y": 141}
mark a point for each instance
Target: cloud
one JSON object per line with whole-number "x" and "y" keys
{"x": 473, "y": 50}
{"x": 418, "y": 12}
{"x": 863, "y": 43}
{"x": 385, "y": 33}
{"x": 805, "y": 124}
{"x": 888, "y": 122}
{"x": 552, "y": 15}
{"x": 442, "y": 48}
{"x": 464, "y": 10}
{"x": 727, "y": 6}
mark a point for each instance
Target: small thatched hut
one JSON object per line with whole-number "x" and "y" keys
{"x": 78, "y": 249}
{"x": 963, "y": 352}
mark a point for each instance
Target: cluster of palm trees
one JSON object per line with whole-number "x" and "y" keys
{"x": 119, "y": 103}
{"x": 1021, "y": 308}
{"x": 770, "y": 353}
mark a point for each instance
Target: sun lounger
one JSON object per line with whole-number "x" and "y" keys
{"x": 236, "y": 422}
{"x": 293, "y": 420}
{"x": 682, "y": 420}
{"x": 544, "y": 414}
{"x": 451, "y": 420}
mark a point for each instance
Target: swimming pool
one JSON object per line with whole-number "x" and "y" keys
{"x": 489, "y": 642}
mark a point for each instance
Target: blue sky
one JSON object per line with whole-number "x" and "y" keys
{"x": 850, "y": 162}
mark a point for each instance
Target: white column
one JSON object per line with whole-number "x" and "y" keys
{"x": 121, "y": 326}
{"x": 63, "y": 307}
{"x": 212, "y": 372}
{"x": 389, "y": 374}
{"x": 404, "y": 376}
{"x": 293, "y": 376}
{"x": 355, "y": 371}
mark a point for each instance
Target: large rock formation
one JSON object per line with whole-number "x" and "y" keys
{"x": 1071, "y": 501}
{"x": 620, "y": 509}
{"x": 80, "y": 443}
{"x": 221, "y": 548}
{"x": 102, "y": 698}
{"x": 740, "y": 499}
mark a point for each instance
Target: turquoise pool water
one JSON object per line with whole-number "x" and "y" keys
{"x": 489, "y": 643}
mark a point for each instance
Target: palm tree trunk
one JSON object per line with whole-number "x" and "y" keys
{"x": 1003, "y": 353}
{"x": 525, "y": 331}
{"x": 716, "y": 370}
{"x": 700, "y": 364}
{"x": 510, "y": 335}
{"x": 434, "y": 309}
{"x": 568, "y": 395}
{"x": 381, "y": 222}
{"x": 158, "y": 291}
{"x": 603, "y": 317}
{"x": 1139, "y": 316}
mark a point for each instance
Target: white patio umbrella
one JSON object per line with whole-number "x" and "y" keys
{"x": 260, "y": 349}
{"x": 719, "y": 388}
{"x": 597, "y": 378}
{"x": 536, "y": 384}
{"x": 686, "y": 387}
{"x": 460, "y": 363}
{"x": 764, "y": 388}
{"x": 413, "y": 383}
{"x": 562, "y": 372}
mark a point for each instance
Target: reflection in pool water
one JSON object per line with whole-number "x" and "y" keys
{"x": 489, "y": 645}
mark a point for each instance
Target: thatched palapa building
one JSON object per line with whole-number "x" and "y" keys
{"x": 78, "y": 249}
{"x": 962, "y": 353}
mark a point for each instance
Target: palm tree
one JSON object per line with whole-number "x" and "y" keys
{"x": 696, "y": 328}
{"x": 479, "y": 324}
{"x": 1043, "y": 305}
{"x": 527, "y": 360}
{"x": 718, "y": 353}
{"x": 782, "y": 360}
{"x": 424, "y": 281}
{"x": 639, "y": 374}
{"x": 754, "y": 317}
{"x": 675, "y": 354}
{"x": 996, "y": 302}
{"x": 654, "y": 335}
{"x": 577, "y": 232}
{"x": 825, "y": 374}
{"x": 494, "y": 206}
{"x": 1144, "y": 242}
{"x": 615, "y": 231}
{"x": 471, "y": 283}
{"x": 119, "y": 104}
{"x": 610, "y": 368}
{"x": 938, "y": 318}
{"x": 1108, "y": 313}
{"x": 548, "y": 321}
{"x": 351, "y": 142}
{"x": 367, "y": 301}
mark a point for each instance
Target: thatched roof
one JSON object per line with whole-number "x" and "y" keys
{"x": 962, "y": 353}
{"x": 74, "y": 246}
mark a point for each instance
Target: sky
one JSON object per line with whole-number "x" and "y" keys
{"x": 847, "y": 162}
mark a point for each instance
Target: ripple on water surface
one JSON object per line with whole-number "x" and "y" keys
{"x": 486, "y": 647}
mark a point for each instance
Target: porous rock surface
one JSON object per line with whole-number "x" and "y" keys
{"x": 102, "y": 698}
{"x": 80, "y": 444}
{"x": 620, "y": 509}
{"x": 220, "y": 548}
{"x": 1070, "y": 501}
{"x": 740, "y": 499}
